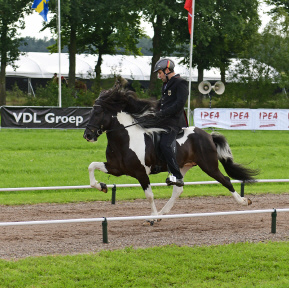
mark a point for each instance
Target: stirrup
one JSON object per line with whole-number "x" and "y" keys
{"x": 172, "y": 180}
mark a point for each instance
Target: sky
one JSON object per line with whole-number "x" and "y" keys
{"x": 34, "y": 23}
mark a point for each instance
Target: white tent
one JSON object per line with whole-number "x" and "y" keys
{"x": 44, "y": 65}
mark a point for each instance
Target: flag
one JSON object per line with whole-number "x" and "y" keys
{"x": 41, "y": 6}
{"x": 189, "y": 7}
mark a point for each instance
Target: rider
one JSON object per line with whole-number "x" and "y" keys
{"x": 171, "y": 108}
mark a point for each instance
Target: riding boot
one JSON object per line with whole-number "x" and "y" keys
{"x": 168, "y": 147}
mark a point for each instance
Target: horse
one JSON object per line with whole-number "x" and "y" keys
{"x": 131, "y": 130}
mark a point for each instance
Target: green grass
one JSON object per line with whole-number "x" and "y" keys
{"x": 31, "y": 158}
{"x": 234, "y": 265}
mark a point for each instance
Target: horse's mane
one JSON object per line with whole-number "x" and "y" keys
{"x": 125, "y": 100}
{"x": 120, "y": 98}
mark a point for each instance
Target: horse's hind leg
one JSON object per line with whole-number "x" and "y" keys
{"x": 211, "y": 168}
{"x": 177, "y": 191}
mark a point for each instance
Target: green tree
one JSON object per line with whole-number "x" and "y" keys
{"x": 236, "y": 23}
{"x": 11, "y": 19}
{"x": 72, "y": 14}
{"x": 280, "y": 11}
{"x": 30, "y": 44}
{"x": 271, "y": 48}
{"x": 168, "y": 19}
{"x": 108, "y": 27}
{"x": 222, "y": 31}
{"x": 97, "y": 27}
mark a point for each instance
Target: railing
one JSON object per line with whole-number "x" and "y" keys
{"x": 114, "y": 186}
{"x": 104, "y": 220}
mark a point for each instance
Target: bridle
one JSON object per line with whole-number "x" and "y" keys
{"x": 97, "y": 131}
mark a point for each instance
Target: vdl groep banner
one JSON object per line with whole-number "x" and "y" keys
{"x": 44, "y": 117}
{"x": 242, "y": 119}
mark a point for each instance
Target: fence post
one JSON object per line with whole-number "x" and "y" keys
{"x": 273, "y": 221}
{"x": 104, "y": 231}
{"x": 113, "y": 194}
{"x": 242, "y": 189}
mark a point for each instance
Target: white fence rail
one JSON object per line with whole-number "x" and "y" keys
{"x": 129, "y": 185}
{"x": 104, "y": 220}
{"x": 114, "y": 186}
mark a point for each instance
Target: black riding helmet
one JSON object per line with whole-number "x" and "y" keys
{"x": 164, "y": 63}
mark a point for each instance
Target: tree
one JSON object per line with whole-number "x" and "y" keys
{"x": 271, "y": 48}
{"x": 30, "y": 44}
{"x": 97, "y": 27}
{"x": 107, "y": 27}
{"x": 236, "y": 23}
{"x": 10, "y": 13}
{"x": 280, "y": 11}
{"x": 72, "y": 14}
{"x": 168, "y": 19}
{"x": 222, "y": 31}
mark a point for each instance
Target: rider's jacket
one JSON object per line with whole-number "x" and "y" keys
{"x": 174, "y": 97}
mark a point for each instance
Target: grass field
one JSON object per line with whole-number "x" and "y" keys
{"x": 55, "y": 157}
{"x": 32, "y": 158}
{"x": 234, "y": 265}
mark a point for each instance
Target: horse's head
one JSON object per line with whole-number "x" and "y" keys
{"x": 113, "y": 101}
{"x": 98, "y": 122}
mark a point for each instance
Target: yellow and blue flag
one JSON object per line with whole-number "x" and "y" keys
{"x": 41, "y": 6}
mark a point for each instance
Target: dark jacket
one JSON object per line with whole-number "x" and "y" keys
{"x": 171, "y": 105}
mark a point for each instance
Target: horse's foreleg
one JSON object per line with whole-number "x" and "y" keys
{"x": 150, "y": 197}
{"x": 93, "y": 182}
{"x": 177, "y": 191}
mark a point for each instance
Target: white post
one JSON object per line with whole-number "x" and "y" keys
{"x": 191, "y": 60}
{"x": 59, "y": 54}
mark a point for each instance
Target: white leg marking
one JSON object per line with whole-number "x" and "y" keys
{"x": 93, "y": 166}
{"x": 239, "y": 199}
{"x": 150, "y": 197}
{"x": 177, "y": 191}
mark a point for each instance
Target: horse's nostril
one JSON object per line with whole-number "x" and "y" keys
{"x": 86, "y": 135}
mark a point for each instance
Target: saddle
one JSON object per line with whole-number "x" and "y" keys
{"x": 156, "y": 141}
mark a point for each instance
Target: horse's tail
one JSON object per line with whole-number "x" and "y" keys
{"x": 225, "y": 156}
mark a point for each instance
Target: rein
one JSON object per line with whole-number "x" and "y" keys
{"x": 99, "y": 131}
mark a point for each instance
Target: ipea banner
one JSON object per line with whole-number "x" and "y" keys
{"x": 242, "y": 119}
{"x": 44, "y": 117}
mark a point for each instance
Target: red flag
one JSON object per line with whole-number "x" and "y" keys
{"x": 189, "y": 7}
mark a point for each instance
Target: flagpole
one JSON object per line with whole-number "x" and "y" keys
{"x": 191, "y": 61}
{"x": 59, "y": 57}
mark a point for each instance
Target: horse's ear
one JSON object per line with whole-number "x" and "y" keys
{"x": 120, "y": 82}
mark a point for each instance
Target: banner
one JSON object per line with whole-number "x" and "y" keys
{"x": 242, "y": 119}
{"x": 44, "y": 117}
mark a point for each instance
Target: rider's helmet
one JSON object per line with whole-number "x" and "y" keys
{"x": 164, "y": 63}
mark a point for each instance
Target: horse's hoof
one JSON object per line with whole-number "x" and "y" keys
{"x": 103, "y": 187}
{"x": 249, "y": 202}
{"x": 149, "y": 223}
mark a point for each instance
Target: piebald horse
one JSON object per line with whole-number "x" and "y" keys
{"x": 131, "y": 129}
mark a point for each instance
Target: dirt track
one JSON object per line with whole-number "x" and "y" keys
{"x": 34, "y": 240}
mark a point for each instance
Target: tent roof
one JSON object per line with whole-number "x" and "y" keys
{"x": 44, "y": 65}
